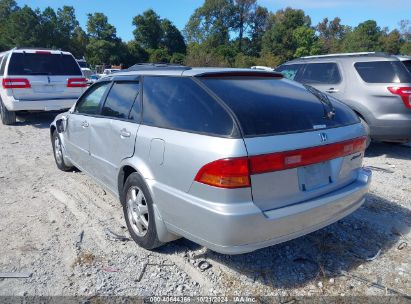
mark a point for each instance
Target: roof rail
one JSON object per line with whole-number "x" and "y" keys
{"x": 154, "y": 66}
{"x": 347, "y": 55}
{"x": 35, "y": 48}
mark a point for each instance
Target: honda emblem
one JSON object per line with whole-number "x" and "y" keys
{"x": 323, "y": 137}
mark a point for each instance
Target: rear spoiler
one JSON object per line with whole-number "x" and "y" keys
{"x": 222, "y": 74}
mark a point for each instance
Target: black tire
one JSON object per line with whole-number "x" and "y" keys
{"x": 7, "y": 117}
{"x": 59, "y": 160}
{"x": 149, "y": 239}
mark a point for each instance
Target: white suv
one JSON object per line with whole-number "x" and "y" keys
{"x": 38, "y": 80}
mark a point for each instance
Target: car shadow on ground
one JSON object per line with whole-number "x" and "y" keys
{"x": 393, "y": 150}
{"x": 357, "y": 239}
{"x": 40, "y": 120}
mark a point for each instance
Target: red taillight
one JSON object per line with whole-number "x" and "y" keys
{"x": 225, "y": 173}
{"x": 16, "y": 83}
{"x": 77, "y": 82}
{"x": 235, "y": 172}
{"x": 404, "y": 92}
{"x": 304, "y": 157}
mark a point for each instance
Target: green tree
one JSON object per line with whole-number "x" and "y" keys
{"x": 244, "y": 11}
{"x": 366, "y": 37}
{"x": 78, "y": 42}
{"x": 306, "y": 42}
{"x": 148, "y": 32}
{"x": 22, "y": 28}
{"x": 211, "y": 23}
{"x": 258, "y": 26}
{"x": 49, "y": 36}
{"x": 331, "y": 34}
{"x": 391, "y": 42}
{"x": 406, "y": 49}
{"x": 171, "y": 38}
{"x": 159, "y": 56}
{"x": 99, "y": 28}
{"x": 280, "y": 39}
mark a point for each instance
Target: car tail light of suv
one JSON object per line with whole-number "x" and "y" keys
{"x": 77, "y": 83}
{"x": 235, "y": 172}
{"x": 16, "y": 83}
{"x": 404, "y": 93}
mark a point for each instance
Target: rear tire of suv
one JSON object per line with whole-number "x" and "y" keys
{"x": 139, "y": 212}
{"x": 58, "y": 153}
{"x": 7, "y": 117}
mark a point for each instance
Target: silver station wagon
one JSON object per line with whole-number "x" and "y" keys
{"x": 232, "y": 159}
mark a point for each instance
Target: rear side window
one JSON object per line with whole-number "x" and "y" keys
{"x": 289, "y": 71}
{"x": 383, "y": 72}
{"x": 120, "y": 100}
{"x": 3, "y": 64}
{"x": 407, "y": 64}
{"x": 181, "y": 104}
{"x": 43, "y": 64}
{"x": 273, "y": 106}
{"x": 321, "y": 73}
{"x": 90, "y": 101}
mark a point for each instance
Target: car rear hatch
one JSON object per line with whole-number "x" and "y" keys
{"x": 299, "y": 147}
{"x": 389, "y": 83}
{"x": 44, "y": 75}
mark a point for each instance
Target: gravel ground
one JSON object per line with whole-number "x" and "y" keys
{"x": 54, "y": 225}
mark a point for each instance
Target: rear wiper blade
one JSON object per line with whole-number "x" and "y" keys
{"x": 329, "y": 110}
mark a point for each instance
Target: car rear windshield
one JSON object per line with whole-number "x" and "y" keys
{"x": 268, "y": 106}
{"x": 43, "y": 64}
{"x": 407, "y": 64}
{"x": 383, "y": 72}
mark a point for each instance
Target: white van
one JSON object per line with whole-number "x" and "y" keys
{"x": 38, "y": 80}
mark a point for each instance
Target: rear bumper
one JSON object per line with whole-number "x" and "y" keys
{"x": 241, "y": 228}
{"x": 396, "y": 128}
{"x": 38, "y": 105}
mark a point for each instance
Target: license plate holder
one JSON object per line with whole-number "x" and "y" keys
{"x": 314, "y": 176}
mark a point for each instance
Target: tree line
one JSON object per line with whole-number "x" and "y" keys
{"x": 234, "y": 33}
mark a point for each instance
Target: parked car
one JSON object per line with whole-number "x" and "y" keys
{"x": 110, "y": 71}
{"x": 375, "y": 85}
{"x": 233, "y": 159}
{"x": 92, "y": 79}
{"x": 38, "y": 80}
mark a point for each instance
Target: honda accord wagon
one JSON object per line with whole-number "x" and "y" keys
{"x": 232, "y": 159}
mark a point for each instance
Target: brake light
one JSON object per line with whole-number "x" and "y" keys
{"x": 235, "y": 172}
{"x": 304, "y": 157}
{"x": 16, "y": 83}
{"x": 77, "y": 82}
{"x": 225, "y": 173}
{"x": 43, "y": 52}
{"x": 404, "y": 92}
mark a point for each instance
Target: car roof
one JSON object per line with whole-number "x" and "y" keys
{"x": 190, "y": 72}
{"x": 34, "y": 50}
{"x": 350, "y": 57}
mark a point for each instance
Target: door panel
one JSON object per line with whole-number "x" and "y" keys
{"x": 77, "y": 139}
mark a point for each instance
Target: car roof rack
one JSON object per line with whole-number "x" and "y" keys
{"x": 156, "y": 66}
{"x": 356, "y": 54}
{"x": 35, "y": 48}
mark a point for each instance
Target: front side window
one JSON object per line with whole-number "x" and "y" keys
{"x": 321, "y": 73}
{"x": 289, "y": 71}
{"x": 120, "y": 101}
{"x": 383, "y": 72}
{"x": 179, "y": 103}
{"x": 90, "y": 101}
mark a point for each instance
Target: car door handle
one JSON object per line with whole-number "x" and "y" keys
{"x": 125, "y": 133}
{"x": 332, "y": 90}
{"x": 84, "y": 124}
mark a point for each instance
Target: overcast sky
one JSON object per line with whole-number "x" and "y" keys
{"x": 121, "y": 12}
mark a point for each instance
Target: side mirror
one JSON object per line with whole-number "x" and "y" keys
{"x": 61, "y": 124}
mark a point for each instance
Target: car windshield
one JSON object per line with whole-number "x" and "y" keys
{"x": 43, "y": 64}
{"x": 268, "y": 106}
